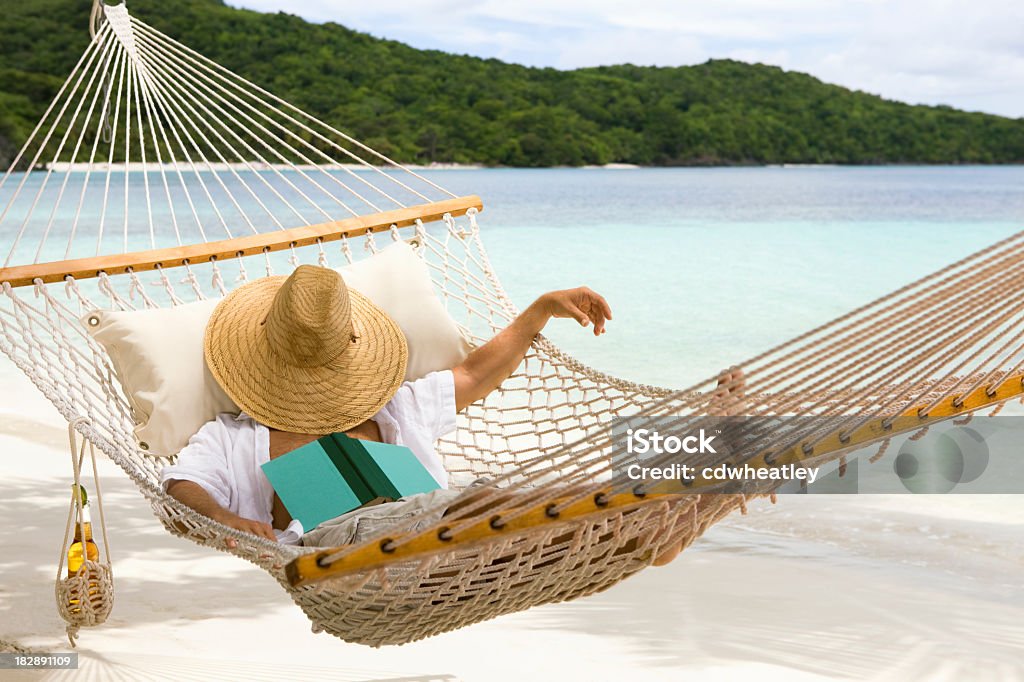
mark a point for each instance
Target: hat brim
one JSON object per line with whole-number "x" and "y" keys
{"x": 315, "y": 400}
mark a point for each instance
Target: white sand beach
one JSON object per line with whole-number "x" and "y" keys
{"x": 818, "y": 587}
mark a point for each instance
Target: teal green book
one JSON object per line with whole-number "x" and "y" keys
{"x": 388, "y": 470}
{"x": 336, "y": 474}
{"x": 311, "y": 486}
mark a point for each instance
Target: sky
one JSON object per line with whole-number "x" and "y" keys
{"x": 965, "y": 53}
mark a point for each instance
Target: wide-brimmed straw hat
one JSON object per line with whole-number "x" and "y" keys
{"x": 304, "y": 353}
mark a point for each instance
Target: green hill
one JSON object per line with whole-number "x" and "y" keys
{"x": 424, "y": 105}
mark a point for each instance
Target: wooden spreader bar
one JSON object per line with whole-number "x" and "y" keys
{"x": 310, "y": 568}
{"x": 177, "y": 256}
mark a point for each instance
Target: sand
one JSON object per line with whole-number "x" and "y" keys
{"x": 838, "y": 587}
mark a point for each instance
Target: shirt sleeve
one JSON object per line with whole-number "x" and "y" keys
{"x": 204, "y": 462}
{"x": 430, "y": 401}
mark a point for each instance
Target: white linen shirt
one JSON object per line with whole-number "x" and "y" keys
{"x": 226, "y": 455}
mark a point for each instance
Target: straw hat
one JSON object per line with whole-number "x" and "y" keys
{"x": 304, "y": 353}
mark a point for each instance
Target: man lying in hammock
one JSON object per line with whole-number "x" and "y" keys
{"x": 304, "y": 357}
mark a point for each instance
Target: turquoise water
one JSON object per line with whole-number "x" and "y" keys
{"x": 705, "y": 267}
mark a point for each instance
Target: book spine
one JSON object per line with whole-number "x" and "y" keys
{"x": 375, "y": 479}
{"x": 349, "y": 472}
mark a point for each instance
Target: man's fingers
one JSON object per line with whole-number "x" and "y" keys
{"x": 732, "y": 379}
{"x": 578, "y": 315}
{"x": 605, "y": 308}
{"x": 598, "y": 308}
{"x": 264, "y": 531}
{"x": 267, "y": 531}
{"x": 731, "y": 391}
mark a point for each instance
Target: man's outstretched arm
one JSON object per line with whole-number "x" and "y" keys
{"x": 492, "y": 363}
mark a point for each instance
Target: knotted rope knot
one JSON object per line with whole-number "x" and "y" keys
{"x": 346, "y": 249}
{"x": 191, "y": 279}
{"x": 71, "y": 287}
{"x": 395, "y": 236}
{"x": 266, "y": 258}
{"x": 135, "y": 285}
{"x": 474, "y": 227}
{"x": 293, "y": 260}
{"x": 216, "y": 278}
{"x": 453, "y": 228}
{"x": 321, "y": 258}
{"x": 106, "y": 287}
{"x": 369, "y": 243}
{"x": 165, "y": 282}
{"x": 78, "y": 421}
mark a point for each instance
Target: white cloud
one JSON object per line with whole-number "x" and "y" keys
{"x": 968, "y": 54}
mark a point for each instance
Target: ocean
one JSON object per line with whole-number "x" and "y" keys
{"x": 703, "y": 267}
{"x": 706, "y": 267}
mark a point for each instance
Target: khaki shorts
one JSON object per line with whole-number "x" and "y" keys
{"x": 358, "y": 525}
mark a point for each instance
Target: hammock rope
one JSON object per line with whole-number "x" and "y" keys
{"x": 152, "y": 159}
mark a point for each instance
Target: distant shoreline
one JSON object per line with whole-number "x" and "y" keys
{"x": 139, "y": 167}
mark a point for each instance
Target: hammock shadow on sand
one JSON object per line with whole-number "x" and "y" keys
{"x": 37, "y": 509}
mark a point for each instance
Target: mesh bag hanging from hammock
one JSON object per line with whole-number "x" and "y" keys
{"x": 85, "y": 597}
{"x": 159, "y": 177}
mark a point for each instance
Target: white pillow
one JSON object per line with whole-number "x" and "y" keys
{"x": 157, "y": 354}
{"x": 398, "y": 281}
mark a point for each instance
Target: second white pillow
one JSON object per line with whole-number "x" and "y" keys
{"x": 398, "y": 281}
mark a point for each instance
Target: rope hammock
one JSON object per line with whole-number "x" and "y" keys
{"x": 159, "y": 177}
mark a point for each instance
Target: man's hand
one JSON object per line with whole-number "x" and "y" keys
{"x": 582, "y": 304}
{"x": 263, "y": 530}
{"x": 193, "y": 495}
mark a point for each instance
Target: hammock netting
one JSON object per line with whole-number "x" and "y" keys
{"x": 150, "y": 146}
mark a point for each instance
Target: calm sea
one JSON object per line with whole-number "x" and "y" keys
{"x": 705, "y": 267}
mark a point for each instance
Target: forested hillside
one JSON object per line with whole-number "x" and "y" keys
{"x": 424, "y": 106}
